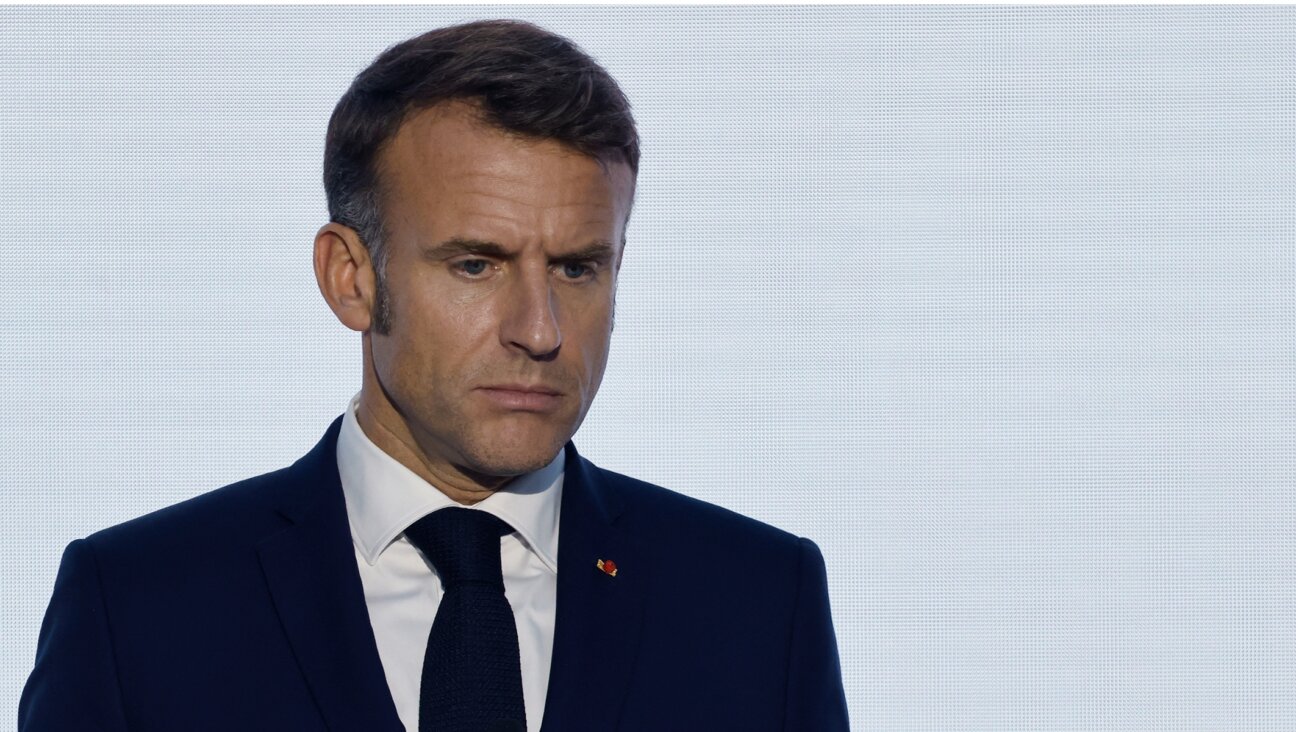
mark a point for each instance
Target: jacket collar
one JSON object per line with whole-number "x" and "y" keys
{"x": 383, "y": 497}
{"x": 310, "y": 569}
{"x": 599, "y": 616}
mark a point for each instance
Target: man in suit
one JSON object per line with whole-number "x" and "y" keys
{"x": 444, "y": 559}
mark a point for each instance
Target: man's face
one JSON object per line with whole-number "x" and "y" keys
{"x": 501, "y": 276}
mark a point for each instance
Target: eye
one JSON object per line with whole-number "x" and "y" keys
{"x": 576, "y": 270}
{"x": 472, "y": 267}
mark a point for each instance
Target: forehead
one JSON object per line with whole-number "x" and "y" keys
{"x": 446, "y": 169}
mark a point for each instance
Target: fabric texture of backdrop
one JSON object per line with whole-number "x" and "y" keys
{"x": 995, "y": 304}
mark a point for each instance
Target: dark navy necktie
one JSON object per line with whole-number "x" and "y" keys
{"x": 472, "y": 675}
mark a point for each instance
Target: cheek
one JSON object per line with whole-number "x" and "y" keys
{"x": 438, "y": 304}
{"x": 441, "y": 340}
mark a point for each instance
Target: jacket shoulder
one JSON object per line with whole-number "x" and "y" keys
{"x": 233, "y": 516}
{"x": 683, "y": 518}
{"x": 240, "y": 509}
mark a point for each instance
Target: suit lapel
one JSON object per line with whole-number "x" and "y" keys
{"x": 596, "y": 634}
{"x": 311, "y": 571}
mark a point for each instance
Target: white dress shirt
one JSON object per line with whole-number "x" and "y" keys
{"x": 401, "y": 588}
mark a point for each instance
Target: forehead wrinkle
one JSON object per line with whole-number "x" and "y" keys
{"x": 529, "y": 218}
{"x": 579, "y": 197}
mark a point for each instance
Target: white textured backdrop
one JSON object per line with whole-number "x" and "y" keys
{"x": 995, "y": 304}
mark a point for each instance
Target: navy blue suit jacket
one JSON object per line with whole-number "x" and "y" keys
{"x": 242, "y": 609}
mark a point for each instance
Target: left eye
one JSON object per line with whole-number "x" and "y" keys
{"x": 575, "y": 271}
{"x": 473, "y": 266}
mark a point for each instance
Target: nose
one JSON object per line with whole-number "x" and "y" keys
{"x": 530, "y": 323}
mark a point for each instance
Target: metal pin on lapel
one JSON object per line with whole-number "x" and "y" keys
{"x": 608, "y": 566}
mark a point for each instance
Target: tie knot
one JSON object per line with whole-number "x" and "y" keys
{"x": 462, "y": 543}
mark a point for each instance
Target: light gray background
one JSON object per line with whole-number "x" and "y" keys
{"x": 995, "y": 304}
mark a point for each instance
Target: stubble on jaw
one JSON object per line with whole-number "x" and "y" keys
{"x": 394, "y": 432}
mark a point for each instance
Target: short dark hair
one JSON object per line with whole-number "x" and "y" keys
{"x": 523, "y": 78}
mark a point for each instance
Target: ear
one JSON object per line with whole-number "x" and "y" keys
{"x": 345, "y": 275}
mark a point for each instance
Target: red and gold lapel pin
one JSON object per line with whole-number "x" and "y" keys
{"x": 607, "y": 566}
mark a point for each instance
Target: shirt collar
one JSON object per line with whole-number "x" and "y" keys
{"x": 383, "y": 496}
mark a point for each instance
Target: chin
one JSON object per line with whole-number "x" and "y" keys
{"x": 510, "y": 462}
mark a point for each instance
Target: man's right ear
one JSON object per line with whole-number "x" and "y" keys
{"x": 345, "y": 275}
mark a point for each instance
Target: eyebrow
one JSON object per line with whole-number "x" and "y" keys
{"x": 598, "y": 250}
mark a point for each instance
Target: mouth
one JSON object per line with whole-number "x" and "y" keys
{"x": 522, "y": 398}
